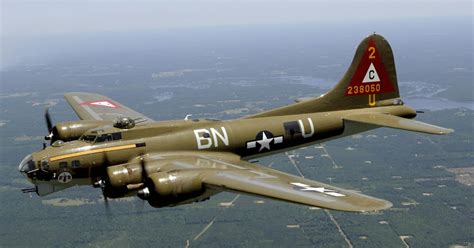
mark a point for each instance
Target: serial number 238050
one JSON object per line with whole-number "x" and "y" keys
{"x": 363, "y": 89}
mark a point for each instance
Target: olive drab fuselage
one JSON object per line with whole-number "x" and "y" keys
{"x": 249, "y": 138}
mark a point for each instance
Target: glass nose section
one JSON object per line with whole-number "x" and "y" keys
{"x": 26, "y": 164}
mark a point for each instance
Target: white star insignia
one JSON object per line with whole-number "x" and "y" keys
{"x": 264, "y": 142}
{"x": 305, "y": 187}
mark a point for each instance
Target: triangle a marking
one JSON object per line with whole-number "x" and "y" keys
{"x": 371, "y": 75}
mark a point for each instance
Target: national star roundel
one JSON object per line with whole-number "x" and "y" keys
{"x": 370, "y": 76}
{"x": 264, "y": 141}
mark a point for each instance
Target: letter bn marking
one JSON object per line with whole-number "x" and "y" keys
{"x": 205, "y": 139}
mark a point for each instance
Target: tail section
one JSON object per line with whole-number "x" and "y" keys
{"x": 370, "y": 81}
{"x": 370, "y": 78}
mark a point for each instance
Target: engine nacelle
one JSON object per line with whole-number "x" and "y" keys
{"x": 124, "y": 174}
{"x": 72, "y": 130}
{"x": 175, "y": 183}
{"x": 131, "y": 173}
{"x": 174, "y": 188}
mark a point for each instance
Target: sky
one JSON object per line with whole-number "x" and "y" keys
{"x": 27, "y": 18}
{"x": 24, "y": 25}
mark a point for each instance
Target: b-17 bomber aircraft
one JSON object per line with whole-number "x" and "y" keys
{"x": 169, "y": 163}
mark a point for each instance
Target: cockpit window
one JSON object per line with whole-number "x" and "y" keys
{"x": 103, "y": 138}
{"x": 109, "y": 137}
{"x": 88, "y": 138}
{"x": 117, "y": 136}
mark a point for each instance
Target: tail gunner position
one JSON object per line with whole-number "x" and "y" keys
{"x": 169, "y": 163}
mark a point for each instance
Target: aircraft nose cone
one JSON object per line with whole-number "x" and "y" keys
{"x": 26, "y": 164}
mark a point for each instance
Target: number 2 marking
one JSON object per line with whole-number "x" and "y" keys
{"x": 372, "y": 52}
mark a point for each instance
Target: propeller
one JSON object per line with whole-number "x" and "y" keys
{"x": 47, "y": 117}
{"x": 49, "y": 125}
{"x": 144, "y": 193}
{"x": 103, "y": 184}
{"x": 144, "y": 172}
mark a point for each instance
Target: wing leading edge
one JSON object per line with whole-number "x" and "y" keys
{"x": 230, "y": 173}
{"x": 89, "y": 106}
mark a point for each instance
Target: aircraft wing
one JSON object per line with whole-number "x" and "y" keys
{"x": 230, "y": 173}
{"x": 89, "y": 106}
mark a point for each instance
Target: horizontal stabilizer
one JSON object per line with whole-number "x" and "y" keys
{"x": 386, "y": 120}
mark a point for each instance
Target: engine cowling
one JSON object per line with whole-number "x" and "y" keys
{"x": 131, "y": 173}
{"x": 72, "y": 130}
{"x": 174, "y": 188}
{"x": 124, "y": 174}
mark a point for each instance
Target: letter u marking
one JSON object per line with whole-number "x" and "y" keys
{"x": 372, "y": 100}
{"x": 303, "y": 132}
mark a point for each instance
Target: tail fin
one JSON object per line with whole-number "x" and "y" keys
{"x": 371, "y": 77}
{"x": 371, "y": 80}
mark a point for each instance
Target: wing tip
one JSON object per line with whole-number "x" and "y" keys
{"x": 374, "y": 206}
{"x": 383, "y": 205}
{"x": 445, "y": 131}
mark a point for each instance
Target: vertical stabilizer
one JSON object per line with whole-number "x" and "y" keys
{"x": 370, "y": 81}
